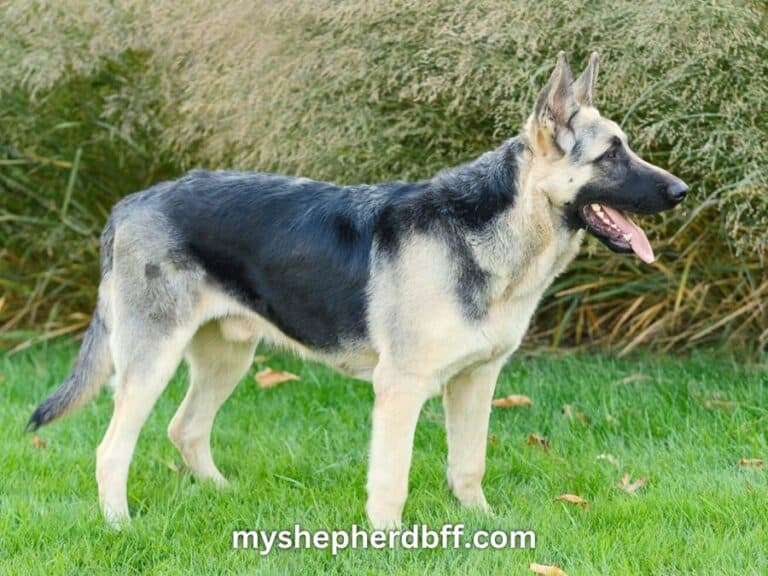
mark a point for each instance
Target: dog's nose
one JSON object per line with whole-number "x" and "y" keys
{"x": 677, "y": 191}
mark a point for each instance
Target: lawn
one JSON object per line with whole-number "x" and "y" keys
{"x": 297, "y": 454}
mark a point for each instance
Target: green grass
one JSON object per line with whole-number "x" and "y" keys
{"x": 297, "y": 454}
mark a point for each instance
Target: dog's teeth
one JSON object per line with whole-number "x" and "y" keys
{"x": 627, "y": 237}
{"x": 596, "y": 207}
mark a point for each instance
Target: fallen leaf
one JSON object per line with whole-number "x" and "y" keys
{"x": 512, "y": 401}
{"x": 610, "y": 458}
{"x": 752, "y": 462}
{"x": 493, "y": 440}
{"x": 632, "y": 378}
{"x": 536, "y": 440}
{"x": 573, "y": 414}
{"x": 572, "y": 498}
{"x": 173, "y": 467}
{"x": 547, "y": 570}
{"x": 269, "y": 378}
{"x": 432, "y": 416}
{"x": 38, "y": 442}
{"x": 716, "y": 403}
{"x": 2, "y": 303}
{"x": 260, "y": 359}
{"x": 631, "y": 487}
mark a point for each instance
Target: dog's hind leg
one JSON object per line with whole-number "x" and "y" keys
{"x": 216, "y": 366}
{"x": 467, "y": 402}
{"x": 156, "y": 309}
{"x": 144, "y": 367}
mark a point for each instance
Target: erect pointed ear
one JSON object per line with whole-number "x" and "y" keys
{"x": 584, "y": 87}
{"x": 554, "y": 107}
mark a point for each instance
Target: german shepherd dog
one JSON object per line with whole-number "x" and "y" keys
{"x": 424, "y": 288}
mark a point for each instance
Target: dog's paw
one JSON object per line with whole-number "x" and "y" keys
{"x": 479, "y": 504}
{"x": 384, "y": 517}
{"x": 115, "y": 520}
{"x": 381, "y": 524}
{"x": 468, "y": 490}
{"x": 219, "y": 481}
{"x": 474, "y": 499}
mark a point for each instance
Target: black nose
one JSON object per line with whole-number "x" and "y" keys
{"x": 677, "y": 191}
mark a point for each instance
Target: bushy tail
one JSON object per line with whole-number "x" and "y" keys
{"x": 93, "y": 367}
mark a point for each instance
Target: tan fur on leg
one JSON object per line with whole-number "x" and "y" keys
{"x": 138, "y": 385}
{"x": 467, "y": 401}
{"x": 399, "y": 399}
{"x": 216, "y": 366}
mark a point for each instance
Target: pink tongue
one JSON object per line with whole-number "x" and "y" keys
{"x": 639, "y": 242}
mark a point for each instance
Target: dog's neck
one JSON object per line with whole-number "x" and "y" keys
{"x": 558, "y": 243}
{"x": 531, "y": 243}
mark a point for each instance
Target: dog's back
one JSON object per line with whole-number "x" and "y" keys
{"x": 296, "y": 251}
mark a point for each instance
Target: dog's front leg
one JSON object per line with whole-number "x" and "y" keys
{"x": 399, "y": 398}
{"x": 467, "y": 402}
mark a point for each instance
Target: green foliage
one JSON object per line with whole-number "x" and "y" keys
{"x": 358, "y": 91}
{"x": 62, "y": 167}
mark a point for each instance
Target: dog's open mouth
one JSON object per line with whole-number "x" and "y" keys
{"x": 617, "y": 231}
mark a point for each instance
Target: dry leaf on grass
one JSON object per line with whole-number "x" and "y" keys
{"x": 537, "y": 440}
{"x": 38, "y": 442}
{"x": 547, "y": 570}
{"x": 493, "y": 440}
{"x": 752, "y": 462}
{"x": 512, "y": 401}
{"x": 173, "y": 466}
{"x": 436, "y": 417}
{"x": 632, "y": 378}
{"x": 717, "y": 404}
{"x": 572, "y": 414}
{"x": 631, "y": 487}
{"x": 572, "y": 499}
{"x": 269, "y": 378}
{"x": 610, "y": 458}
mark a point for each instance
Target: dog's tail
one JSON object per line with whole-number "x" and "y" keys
{"x": 91, "y": 371}
{"x": 94, "y": 362}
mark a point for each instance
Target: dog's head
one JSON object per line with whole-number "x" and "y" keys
{"x": 584, "y": 165}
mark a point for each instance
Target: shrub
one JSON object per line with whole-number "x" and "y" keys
{"x": 358, "y": 91}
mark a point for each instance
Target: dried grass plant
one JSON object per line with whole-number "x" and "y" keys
{"x": 98, "y": 99}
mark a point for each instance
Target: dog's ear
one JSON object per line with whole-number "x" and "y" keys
{"x": 554, "y": 107}
{"x": 584, "y": 87}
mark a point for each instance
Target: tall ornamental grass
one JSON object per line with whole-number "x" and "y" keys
{"x": 98, "y": 99}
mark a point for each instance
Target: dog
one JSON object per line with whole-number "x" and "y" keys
{"x": 423, "y": 288}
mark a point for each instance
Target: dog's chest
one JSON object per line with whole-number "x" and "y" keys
{"x": 509, "y": 314}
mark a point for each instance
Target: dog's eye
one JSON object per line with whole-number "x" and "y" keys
{"x": 613, "y": 152}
